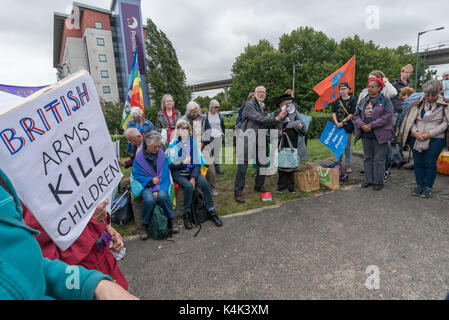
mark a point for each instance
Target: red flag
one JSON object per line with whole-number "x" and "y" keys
{"x": 328, "y": 89}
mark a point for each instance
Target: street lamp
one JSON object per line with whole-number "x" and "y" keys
{"x": 294, "y": 76}
{"x": 417, "y": 54}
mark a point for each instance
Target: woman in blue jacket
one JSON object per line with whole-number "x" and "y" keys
{"x": 26, "y": 275}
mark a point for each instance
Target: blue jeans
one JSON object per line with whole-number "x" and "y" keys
{"x": 426, "y": 162}
{"x": 202, "y": 183}
{"x": 149, "y": 202}
{"x": 347, "y": 151}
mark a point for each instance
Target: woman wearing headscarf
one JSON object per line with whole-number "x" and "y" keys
{"x": 426, "y": 125}
{"x": 373, "y": 122}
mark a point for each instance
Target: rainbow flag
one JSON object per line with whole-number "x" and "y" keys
{"x": 135, "y": 95}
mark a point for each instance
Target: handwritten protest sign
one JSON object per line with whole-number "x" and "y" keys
{"x": 334, "y": 138}
{"x": 56, "y": 149}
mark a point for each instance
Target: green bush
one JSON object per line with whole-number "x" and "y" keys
{"x": 317, "y": 125}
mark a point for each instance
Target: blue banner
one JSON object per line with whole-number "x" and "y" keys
{"x": 334, "y": 138}
{"x": 20, "y": 91}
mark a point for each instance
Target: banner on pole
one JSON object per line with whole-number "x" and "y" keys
{"x": 56, "y": 149}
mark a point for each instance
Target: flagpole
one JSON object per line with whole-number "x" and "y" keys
{"x": 355, "y": 66}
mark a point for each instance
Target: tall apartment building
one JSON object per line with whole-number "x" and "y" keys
{"x": 102, "y": 42}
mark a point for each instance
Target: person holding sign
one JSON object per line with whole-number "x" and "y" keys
{"x": 26, "y": 275}
{"x": 92, "y": 250}
{"x": 373, "y": 121}
{"x": 342, "y": 112}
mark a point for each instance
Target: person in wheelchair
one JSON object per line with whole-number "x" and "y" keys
{"x": 185, "y": 159}
{"x": 150, "y": 178}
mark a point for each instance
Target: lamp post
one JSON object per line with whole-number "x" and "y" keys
{"x": 417, "y": 54}
{"x": 294, "y": 76}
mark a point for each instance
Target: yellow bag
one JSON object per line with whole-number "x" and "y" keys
{"x": 443, "y": 163}
{"x": 204, "y": 170}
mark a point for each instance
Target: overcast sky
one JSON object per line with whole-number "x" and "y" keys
{"x": 209, "y": 35}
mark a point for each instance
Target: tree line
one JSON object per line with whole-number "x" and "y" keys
{"x": 309, "y": 54}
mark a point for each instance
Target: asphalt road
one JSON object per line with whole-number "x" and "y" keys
{"x": 315, "y": 248}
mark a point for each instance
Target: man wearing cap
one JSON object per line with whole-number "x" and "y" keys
{"x": 373, "y": 123}
{"x": 289, "y": 129}
{"x": 342, "y": 112}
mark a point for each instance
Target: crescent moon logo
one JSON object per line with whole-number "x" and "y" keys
{"x": 132, "y": 23}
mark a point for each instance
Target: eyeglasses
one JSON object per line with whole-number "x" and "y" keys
{"x": 155, "y": 147}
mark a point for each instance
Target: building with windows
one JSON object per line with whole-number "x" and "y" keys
{"x": 102, "y": 42}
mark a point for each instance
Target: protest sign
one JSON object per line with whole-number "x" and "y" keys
{"x": 446, "y": 92}
{"x": 57, "y": 151}
{"x": 334, "y": 138}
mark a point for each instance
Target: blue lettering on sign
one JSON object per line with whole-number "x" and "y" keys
{"x": 337, "y": 79}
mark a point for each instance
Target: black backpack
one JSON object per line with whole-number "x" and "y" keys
{"x": 199, "y": 213}
{"x": 122, "y": 209}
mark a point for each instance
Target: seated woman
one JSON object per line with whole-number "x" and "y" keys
{"x": 151, "y": 179}
{"x": 185, "y": 160}
{"x": 91, "y": 250}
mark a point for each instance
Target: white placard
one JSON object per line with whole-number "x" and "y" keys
{"x": 56, "y": 149}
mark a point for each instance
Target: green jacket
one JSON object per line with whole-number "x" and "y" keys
{"x": 24, "y": 273}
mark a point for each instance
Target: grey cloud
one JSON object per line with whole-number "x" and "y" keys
{"x": 209, "y": 35}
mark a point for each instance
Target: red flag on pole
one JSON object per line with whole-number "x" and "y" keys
{"x": 328, "y": 89}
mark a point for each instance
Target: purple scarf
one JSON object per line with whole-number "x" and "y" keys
{"x": 149, "y": 171}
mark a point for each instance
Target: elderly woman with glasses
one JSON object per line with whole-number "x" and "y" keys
{"x": 185, "y": 160}
{"x": 426, "y": 126}
{"x": 144, "y": 125}
{"x": 373, "y": 122}
{"x": 151, "y": 179}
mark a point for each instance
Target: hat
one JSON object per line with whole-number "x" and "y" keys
{"x": 284, "y": 97}
{"x": 445, "y": 73}
{"x": 345, "y": 84}
{"x": 379, "y": 81}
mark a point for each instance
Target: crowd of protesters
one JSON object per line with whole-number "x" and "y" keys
{"x": 174, "y": 151}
